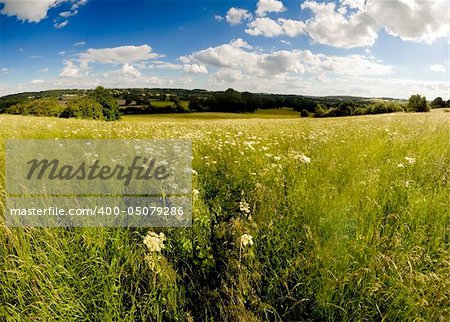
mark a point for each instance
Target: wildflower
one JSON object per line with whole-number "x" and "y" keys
{"x": 400, "y": 165}
{"x": 410, "y": 160}
{"x": 244, "y": 207}
{"x": 303, "y": 158}
{"x": 154, "y": 242}
{"x": 194, "y": 172}
{"x": 246, "y": 239}
{"x": 195, "y": 192}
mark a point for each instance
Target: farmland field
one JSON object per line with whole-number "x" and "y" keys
{"x": 294, "y": 219}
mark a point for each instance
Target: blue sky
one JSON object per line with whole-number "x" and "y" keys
{"x": 345, "y": 47}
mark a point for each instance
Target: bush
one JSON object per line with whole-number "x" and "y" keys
{"x": 438, "y": 102}
{"x": 83, "y": 108}
{"x": 418, "y": 103}
{"x": 38, "y": 107}
{"x": 305, "y": 113}
{"x": 110, "y": 107}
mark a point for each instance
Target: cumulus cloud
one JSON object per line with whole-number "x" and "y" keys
{"x": 235, "y": 58}
{"x": 130, "y": 70}
{"x": 236, "y": 16}
{"x": 129, "y": 57}
{"x": 119, "y": 55}
{"x": 26, "y": 12}
{"x": 270, "y": 28}
{"x": 36, "y": 12}
{"x": 330, "y": 27}
{"x": 264, "y": 27}
{"x": 356, "y": 23}
{"x": 266, "y": 6}
{"x": 70, "y": 70}
{"x": 195, "y": 69}
{"x": 414, "y": 20}
{"x": 437, "y": 68}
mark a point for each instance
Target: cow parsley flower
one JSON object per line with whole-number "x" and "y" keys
{"x": 244, "y": 207}
{"x": 304, "y": 159}
{"x": 154, "y": 242}
{"x": 246, "y": 240}
{"x": 410, "y": 160}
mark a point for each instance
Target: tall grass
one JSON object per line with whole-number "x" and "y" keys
{"x": 349, "y": 219}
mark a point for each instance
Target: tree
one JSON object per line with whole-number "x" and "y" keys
{"x": 109, "y": 104}
{"x": 438, "y": 102}
{"x": 418, "y": 103}
{"x": 38, "y": 107}
{"x": 83, "y": 108}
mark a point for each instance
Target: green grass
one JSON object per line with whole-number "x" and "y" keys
{"x": 169, "y": 103}
{"x": 349, "y": 236}
{"x": 281, "y": 113}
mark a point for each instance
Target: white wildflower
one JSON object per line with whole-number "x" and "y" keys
{"x": 154, "y": 242}
{"x": 410, "y": 160}
{"x": 195, "y": 192}
{"x": 246, "y": 240}
{"x": 304, "y": 159}
{"x": 400, "y": 165}
{"x": 244, "y": 207}
{"x": 194, "y": 172}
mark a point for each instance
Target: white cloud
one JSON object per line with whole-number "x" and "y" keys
{"x": 78, "y": 4}
{"x": 329, "y": 27}
{"x": 437, "y": 68}
{"x": 80, "y": 43}
{"x": 166, "y": 65}
{"x": 67, "y": 14}
{"x": 412, "y": 20}
{"x": 236, "y": 16}
{"x": 195, "y": 69}
{"x": 25, "y": 11}
{"x": 286, "y": 42}
{"x": 270, "y": 28}
{"x": 357, "y": 23}
{"x": 70, "y": 70}
{"x": 5, "y": 70}
{"x": 219, "y": 18}
{"x": 230, "y": 58}
{"x": 228, "y": 75}
{"x": 264, "y": 27}
{"x": 354, "y": 4}
{"x": 44, "y": 70}
{"x": 119, "y": 55}
{"x": 37, "y": 81}
{"x": 130, "y": 70}
{"x": 265, "y": 6}
{"x": 61, "y": 24}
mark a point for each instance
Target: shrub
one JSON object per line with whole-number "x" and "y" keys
{"x": 110, "y": 107}
{"x": 83, "y": 108}
{"x": 38, "y": 107}
{"x": 418, "y": 103}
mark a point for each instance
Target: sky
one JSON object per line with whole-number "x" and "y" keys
{"x": 370, "y": 48}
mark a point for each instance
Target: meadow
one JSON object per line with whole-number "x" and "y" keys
{"x": 294, "y": 219}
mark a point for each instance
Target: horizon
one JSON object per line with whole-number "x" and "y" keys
{"x": 370, "y": 49}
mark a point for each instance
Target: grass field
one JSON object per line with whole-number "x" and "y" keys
{"x": 294, "y": 219}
